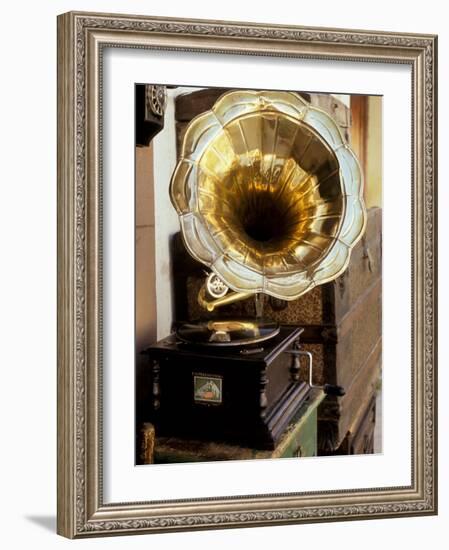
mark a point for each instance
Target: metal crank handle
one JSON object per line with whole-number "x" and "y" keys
{"x": 328, "y": 389}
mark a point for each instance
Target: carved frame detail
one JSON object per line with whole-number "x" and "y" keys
{"x": 81, "y": 38}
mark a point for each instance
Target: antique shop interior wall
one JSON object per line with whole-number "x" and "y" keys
{"x": 156, "y": 221}
{"x": 373, "y": 158}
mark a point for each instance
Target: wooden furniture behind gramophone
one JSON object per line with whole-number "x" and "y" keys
{"x": 342, "y": 319}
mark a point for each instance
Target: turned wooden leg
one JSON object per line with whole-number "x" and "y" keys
{"x": 296, "y": 364}
{"x": 156, "y": 385}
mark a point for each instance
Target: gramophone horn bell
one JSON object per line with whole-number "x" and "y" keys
{"x": 268, "y": 193}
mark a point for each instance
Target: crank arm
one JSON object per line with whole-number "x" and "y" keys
{"x": 329, "y": 389}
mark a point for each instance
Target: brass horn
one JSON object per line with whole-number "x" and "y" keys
{"x": 269, "y": 196}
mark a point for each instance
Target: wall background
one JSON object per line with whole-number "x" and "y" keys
{"x": 28, "y": 274}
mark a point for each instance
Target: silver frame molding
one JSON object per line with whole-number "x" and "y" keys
{"x": 81, "y": 38}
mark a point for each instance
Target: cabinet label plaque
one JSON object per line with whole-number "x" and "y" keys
{"x": 207, "y": 389}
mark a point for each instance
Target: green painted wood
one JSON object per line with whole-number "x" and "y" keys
{"x": 303, "y": 442}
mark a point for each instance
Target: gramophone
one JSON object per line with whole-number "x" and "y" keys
{"x": 269, "y": 198}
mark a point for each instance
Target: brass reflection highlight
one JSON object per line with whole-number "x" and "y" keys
{"x": 268, "y": 193}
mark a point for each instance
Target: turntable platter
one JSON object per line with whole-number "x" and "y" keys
{"x": 227, "y": 332}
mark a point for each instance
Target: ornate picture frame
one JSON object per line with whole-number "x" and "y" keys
{"x": 82, "y": 38}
